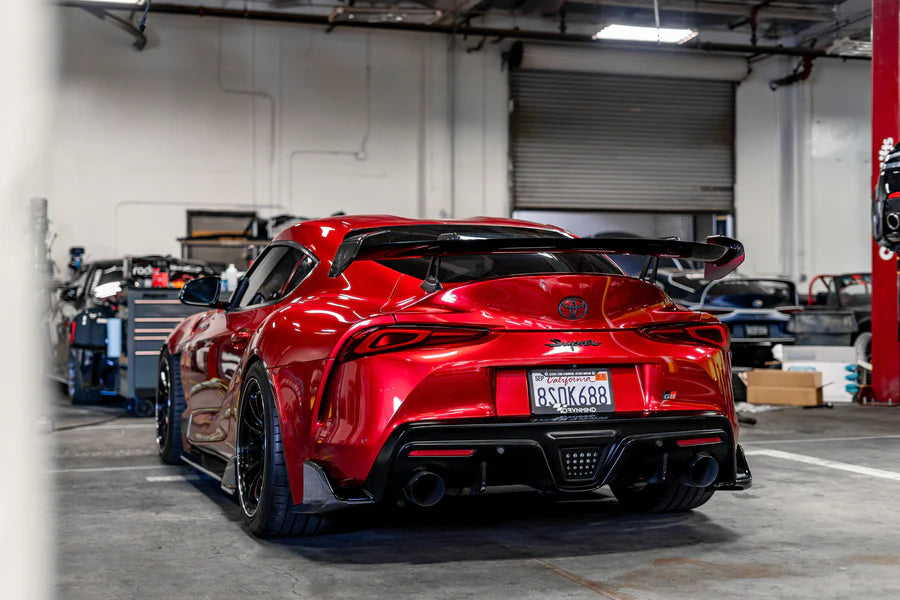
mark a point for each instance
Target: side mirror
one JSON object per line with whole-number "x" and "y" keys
{"x": 69, "y": 294}
{"x": 203, "y": 291}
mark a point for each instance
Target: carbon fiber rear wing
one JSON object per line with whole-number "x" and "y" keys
{"x": 721, "y": 254}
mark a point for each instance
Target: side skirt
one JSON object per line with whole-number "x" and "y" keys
{"x": 219, "y": 469}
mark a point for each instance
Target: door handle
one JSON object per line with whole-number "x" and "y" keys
{"x": 240, "y": 338}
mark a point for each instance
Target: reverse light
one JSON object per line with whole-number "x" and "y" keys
{"x": 705, "y": 334}
{"x": 390, "y": 339}
{"x": 633, "y": 33}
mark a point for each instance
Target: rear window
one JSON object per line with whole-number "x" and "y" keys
{"x": 459, "y": 269}
{"x": 751, "y": 293}
{"x": 855, "y": 291}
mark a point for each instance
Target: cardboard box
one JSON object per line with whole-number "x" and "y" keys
{"x": 829, "y": 360}
{"x": 795, "y": 388}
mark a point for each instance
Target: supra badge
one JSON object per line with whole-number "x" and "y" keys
{"x": 572, "y": 308}
{"x": 558, "y": 343}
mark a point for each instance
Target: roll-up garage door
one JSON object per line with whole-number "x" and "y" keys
{"x": 601, "y": 141}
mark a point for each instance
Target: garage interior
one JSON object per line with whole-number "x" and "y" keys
{"x": 192, "y": 133}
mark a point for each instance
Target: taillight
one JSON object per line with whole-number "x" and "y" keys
{"x": 705, "y": 334}
{"x": 391, "y": 339}
{"x": 789, "y": 310}
{"x": 71, "y": 333}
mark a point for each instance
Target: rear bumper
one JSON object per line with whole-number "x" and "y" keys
{"x": 557, "y": 454}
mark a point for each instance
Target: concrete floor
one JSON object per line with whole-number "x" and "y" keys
{"x": 129, "y": 527}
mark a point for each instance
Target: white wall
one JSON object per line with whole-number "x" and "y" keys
{"x": 803, "y": 169}
{"x": 141, "y": 136}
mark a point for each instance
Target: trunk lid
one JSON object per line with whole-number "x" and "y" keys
{"x": 579, "y": 301}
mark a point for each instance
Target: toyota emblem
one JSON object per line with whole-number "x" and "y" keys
{"x": 572, "y": 308}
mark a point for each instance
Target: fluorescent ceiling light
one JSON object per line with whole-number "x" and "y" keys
{"x": 645, "y": 34}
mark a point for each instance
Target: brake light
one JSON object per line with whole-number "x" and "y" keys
{"x": 706, "y": 334}
{"x": 391, "y": 339}
{"x": 71, "y": 333}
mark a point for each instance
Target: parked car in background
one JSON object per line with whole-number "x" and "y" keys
{"x": 365, "y": 360}
{"x": 849, "y": 292}
{"x": 756, "y": 310}
{"x": 89, "y": 323}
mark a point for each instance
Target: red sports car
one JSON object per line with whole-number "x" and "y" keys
{"x": 374, "y": 359}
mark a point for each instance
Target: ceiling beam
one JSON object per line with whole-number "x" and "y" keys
{"x": 794, "y": 11}
{"x": 492, "y": 32}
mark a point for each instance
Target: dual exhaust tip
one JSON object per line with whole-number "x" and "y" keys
{"x": 426, "y": 488}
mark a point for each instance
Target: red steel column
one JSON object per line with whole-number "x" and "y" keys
{"x": 885, "y": 124}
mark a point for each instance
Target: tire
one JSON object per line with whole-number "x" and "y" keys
{"x": 863, "y": 347}
{"x": 169, "y": 406}
{"x": 75, "y": 382}
{"x": 669, "y": 496}
{"x": 264, "y": 493}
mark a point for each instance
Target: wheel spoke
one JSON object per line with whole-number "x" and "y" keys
{"x": 252, "y": 465}
{"x": 256, "y": 429}
{"x": 251, "y": 447}
{"x": 162, "y": 406}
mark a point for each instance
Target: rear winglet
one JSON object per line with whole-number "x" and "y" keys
{"x": 729, "y": 261}
{"x": 720, "y": 253}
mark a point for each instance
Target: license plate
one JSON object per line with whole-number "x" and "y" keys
{"x": 757, "y": 330}
{"x": 570, "y": 391}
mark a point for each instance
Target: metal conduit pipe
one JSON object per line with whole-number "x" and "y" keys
{"x": 547, "y": 36}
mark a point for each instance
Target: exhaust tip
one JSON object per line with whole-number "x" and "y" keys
{"x": 424, "y": 489}
{"x": 893, "y": 221}
{"x": 702, "y": 471}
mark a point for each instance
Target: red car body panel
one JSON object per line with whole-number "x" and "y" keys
{"x": 340, "y": 414}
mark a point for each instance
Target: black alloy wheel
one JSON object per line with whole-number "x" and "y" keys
{"x": 163, "y": 414}
{"x": 168, "y": 407}
{"x": 251, "y": 443}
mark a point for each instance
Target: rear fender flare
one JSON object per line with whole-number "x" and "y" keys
{"x": 293, "y": 445}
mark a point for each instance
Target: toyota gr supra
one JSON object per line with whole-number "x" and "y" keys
{"x": 376, "y": 359}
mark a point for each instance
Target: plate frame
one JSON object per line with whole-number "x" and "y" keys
{"x": 531, "y": 406}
